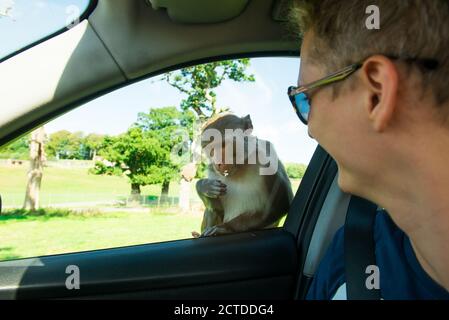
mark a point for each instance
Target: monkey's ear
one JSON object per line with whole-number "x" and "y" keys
{"x": 248, "y": 124}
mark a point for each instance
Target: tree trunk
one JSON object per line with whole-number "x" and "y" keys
{"x": 37, "y": 159}
{"x": 188, "y": 172}
{"x": 164, "y": 192}
{"x": 184, "y": 195}
{"x": 135, "y": 194}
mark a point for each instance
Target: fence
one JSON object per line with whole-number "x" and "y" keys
{"x": 94, "y": 200}
{"x": 78, "y": 164}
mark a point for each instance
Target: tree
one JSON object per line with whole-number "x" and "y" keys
{"x": 144, "y": 152}
{"x": 137, "y": 154}
{"x": 165, "y": 123}
{"x": 57, "y": 143}
{"x": 66, "y": 145}
{"x": 295, "y": 170}
{"x": 37, "y": 159}
{"x": 198, "y": 84}
{"x": 92, "y": 143}
{"x": 76, "y": 149}
{"x": 18, "y": 149}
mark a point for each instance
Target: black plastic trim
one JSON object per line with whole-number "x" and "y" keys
{"x": 234, "y": 258}
{"x": 280, "y": 288}
{"x": 306, "y": 207}
{"x": 306, "y": 191}
{"x": 325, "y": 180}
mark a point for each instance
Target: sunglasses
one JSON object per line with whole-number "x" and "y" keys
{"x": 300, "y": 98}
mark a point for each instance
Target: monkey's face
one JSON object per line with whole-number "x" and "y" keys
{"x": 230, "y": 156}
{"x": 222, "y": 158}
{"x": 224, "y": 143}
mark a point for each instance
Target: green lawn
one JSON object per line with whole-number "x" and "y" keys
{"x": 60, "y": 186}
{"x": 29, "y": 236}
{"x": 22, "y": 237}
{"x": 69, "y": 186}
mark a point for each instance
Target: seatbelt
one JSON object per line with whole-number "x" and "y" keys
{"x": 359, "y": 248}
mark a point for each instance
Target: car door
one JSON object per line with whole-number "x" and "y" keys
{"x": 254, "y": 265}
{"x": 264, "y": 264}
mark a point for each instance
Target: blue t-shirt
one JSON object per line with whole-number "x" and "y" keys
{"x": 401, "y": 275}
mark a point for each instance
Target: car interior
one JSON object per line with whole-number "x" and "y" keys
{"x": 118, "y": 43}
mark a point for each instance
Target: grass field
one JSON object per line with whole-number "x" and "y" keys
{"x": 28, "y": 236}
{"x": 61, "y": 186}
{"x": 22, "y": 237}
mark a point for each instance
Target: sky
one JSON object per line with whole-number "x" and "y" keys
{"x": 265, "y": 100}
{"x": 31, "y": 20}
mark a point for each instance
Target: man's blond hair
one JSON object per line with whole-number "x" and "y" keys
{"x": 409, "y": 30}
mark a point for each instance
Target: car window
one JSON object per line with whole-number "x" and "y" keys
{"x": 24, "y": 22}
{"x": 115, "y": 171}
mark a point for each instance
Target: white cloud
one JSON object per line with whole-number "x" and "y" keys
{"x": 242, "y": 98}
{"x": 5, "y": 7}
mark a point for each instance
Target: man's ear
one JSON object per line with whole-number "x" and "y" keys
{"x": 381, "y": 79}
{"x": 248, "y": 124}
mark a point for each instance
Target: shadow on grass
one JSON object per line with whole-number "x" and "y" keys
{"x": 7, "y": 254}
{"x": 47, "y": 213}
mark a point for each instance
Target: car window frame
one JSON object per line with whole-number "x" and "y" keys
{"x": 76, "y": 104}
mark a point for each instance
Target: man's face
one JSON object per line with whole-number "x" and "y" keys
{"x": 340, "y": 124}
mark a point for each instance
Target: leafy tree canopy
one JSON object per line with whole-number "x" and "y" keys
{"x": 198, "y": 83}
{"x": 17, "y": 149}
{"x": 143, "y": 153}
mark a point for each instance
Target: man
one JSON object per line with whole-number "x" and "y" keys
{"x": 383, "y": 114}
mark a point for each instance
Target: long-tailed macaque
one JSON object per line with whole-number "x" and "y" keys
{"x": 247, "y": 187}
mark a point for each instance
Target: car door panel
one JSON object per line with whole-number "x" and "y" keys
{"x": 231, "y": 266}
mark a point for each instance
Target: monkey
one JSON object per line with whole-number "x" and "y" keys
{"x": 245, "y": 193}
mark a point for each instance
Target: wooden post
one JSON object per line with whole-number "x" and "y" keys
{"x": 187, "y": 175}
{"x": 37, "y": 160}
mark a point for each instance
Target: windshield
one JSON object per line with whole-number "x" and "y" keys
{"x": 25, "y": 22}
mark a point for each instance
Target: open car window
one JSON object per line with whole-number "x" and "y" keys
{"x": 24, "y": 23}
{"x": 113, "y": 172}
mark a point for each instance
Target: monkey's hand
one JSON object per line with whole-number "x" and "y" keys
{"x": 195, "y": 234}
{"x": 211, "y": 188}
{"x": 216, "y": 231}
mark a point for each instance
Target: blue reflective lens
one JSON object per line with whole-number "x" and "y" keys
{"x": 303, "y": 106}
